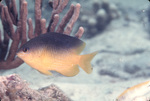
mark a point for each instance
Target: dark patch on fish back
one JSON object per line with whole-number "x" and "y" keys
{"x": 56, "y": 41}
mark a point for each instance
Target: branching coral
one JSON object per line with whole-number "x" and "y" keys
{"x": 96, "y": 20}
{"x": 13, "y": 88}
{"x": 9, "y": 18}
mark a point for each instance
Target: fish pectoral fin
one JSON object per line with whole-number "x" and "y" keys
{"x": 46, "y": 72}
{"x": 68, "y": 70}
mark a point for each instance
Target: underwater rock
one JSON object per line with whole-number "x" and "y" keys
{"x": 100, "y": 16}
{"x": 13, "y": 88}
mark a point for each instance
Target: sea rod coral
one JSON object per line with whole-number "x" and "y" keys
{"x": 10, "y": 17}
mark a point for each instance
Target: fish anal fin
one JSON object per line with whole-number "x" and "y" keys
{"x": 46, "y": 72}
{"x": 69, "y": 70}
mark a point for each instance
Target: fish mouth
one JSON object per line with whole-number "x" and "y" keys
{"x": 19, "y": 54}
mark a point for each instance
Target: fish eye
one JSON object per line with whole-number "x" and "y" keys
{"x": 25, "y": 49}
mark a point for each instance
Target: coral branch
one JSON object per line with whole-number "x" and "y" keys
{"x": 80, "y": 32}
{"x": 73, "y": 19}
{"x": 30, "y": 29}
{"x": 55, "y": 4}
{"x": 4, "y": 47}
{"x": 58, "y": 7}
{"x": 43, "y": 26}
{"x": 10, "y": 30}
{"x": 65, "y": 20}
{"x": 12, "y": 51}
{"x": 9, "y": 62}
{"x": 38, "y": 5}
{"x": 14, "y": 12}
{"x": 0, "y": 37}
{"x": 23, "y": 19}
{"x": 55, "y": 22}
{"x": 20, "y": 4}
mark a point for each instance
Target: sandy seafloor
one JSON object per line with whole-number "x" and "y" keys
{"x": 123, "y": 61}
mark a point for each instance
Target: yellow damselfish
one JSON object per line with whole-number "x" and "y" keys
{"x": 56, "y": 52}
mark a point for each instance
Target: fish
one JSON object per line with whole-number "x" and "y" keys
{"x": 136, "y": 92}
{"x": 56, "y": 52}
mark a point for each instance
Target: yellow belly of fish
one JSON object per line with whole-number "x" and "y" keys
{"x": 66, "y": 64}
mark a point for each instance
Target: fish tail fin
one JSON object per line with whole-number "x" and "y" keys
{"x": 85, "y": 60}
